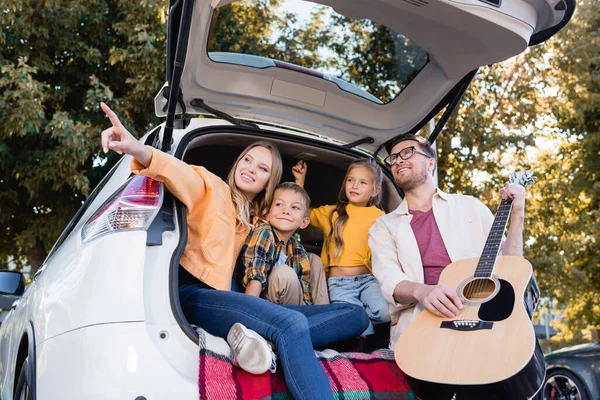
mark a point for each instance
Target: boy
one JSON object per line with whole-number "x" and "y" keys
{"x": 276, "y": 265}
{"x": 278, "y": 268}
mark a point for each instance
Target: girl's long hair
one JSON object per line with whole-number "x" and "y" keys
{"x": 337, "y": 227}
{"x": 245, "y": 210}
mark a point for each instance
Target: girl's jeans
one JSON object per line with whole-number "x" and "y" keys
{"x": 364, "y": 291}
{"x": 294, "y": 330}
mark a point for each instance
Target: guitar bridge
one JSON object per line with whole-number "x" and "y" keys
{"x": 466, "y": 325}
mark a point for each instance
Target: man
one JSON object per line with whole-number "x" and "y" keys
{"x": 429, "y": 230}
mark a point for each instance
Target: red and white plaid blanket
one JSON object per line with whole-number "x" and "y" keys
{"x": 355, "y": 376}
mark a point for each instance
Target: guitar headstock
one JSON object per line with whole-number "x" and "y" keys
{"x": 523, "y": 178}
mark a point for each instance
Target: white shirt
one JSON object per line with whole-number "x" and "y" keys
{"x": 464, "y": 223}
{"x": 282, "y": 260}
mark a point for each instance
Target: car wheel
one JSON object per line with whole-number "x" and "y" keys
{"x": 22, "y": 388}
{"x": 563, "y": 385}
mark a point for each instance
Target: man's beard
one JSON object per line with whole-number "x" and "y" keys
{"x": 413, "y": 181}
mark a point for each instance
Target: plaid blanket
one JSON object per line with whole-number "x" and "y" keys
{"x": 354, "y": 376}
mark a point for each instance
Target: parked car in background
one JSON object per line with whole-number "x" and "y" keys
{"x": 12, "y": 285}
{"x": 573, "y": 373}
{"x": 101, "y": 318}
{"x": 6, "y": 302}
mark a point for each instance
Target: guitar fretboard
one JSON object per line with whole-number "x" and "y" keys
{"x": 485, "y": 267}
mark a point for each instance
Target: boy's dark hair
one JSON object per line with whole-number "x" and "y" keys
{"x": 423, "y": 143}
{"x": 295, "y": 188}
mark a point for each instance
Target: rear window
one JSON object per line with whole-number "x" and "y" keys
{"x": 359, "y": 55}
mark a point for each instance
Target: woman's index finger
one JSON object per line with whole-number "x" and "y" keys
{"x": 111, "y": 114}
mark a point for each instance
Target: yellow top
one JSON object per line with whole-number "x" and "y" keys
{"x": 356, "y": 250}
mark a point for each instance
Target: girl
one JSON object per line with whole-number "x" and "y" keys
{"x": 219, "y": 218}
{"x": 345, "y": 226}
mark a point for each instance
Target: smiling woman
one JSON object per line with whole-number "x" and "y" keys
{"x": 219, "y": 217}
{"x": 256, "y": 171}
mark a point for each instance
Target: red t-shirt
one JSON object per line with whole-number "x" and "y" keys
{"x": 431, "y": 246}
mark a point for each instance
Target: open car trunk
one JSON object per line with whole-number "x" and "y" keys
{"x": 217, "y": 148}
{"x": 327, "y": 165}
{"x": 368, "y": 361}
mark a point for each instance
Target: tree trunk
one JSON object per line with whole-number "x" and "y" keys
{"x": 36, "y": 256}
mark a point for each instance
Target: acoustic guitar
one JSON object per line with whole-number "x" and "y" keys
{"x": 490, "y": 350}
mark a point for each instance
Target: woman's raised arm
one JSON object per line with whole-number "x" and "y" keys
{"x": 118, "y": 139}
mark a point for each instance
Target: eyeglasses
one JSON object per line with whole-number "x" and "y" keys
{"x": 404, "y": 154}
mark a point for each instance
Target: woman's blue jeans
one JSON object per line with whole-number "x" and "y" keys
{"x": 294, "y": 330}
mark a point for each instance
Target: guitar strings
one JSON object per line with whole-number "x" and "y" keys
{"x": 498, "y": 228}
{"x": 479, "y": 288}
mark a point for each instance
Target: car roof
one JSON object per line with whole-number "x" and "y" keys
{"x": 458, "y": 36}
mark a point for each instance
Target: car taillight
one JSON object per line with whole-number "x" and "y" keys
{"x": 133, "y": 207}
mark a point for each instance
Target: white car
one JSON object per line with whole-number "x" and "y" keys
{"x": 101, "y": 318}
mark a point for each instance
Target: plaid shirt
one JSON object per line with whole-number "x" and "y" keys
{"x": 262, "y": 250}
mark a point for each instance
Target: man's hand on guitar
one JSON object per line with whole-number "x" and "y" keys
{"x": 440, "y": 300}
{"x": 513, "y": 245}
{"x": 517, "y": 194}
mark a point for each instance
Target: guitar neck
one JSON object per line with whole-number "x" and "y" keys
{"x": 488, "y": 258}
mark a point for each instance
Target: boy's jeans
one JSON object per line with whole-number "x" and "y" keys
{"x": 294, "y": 330}
{"x": 364, "y": 291}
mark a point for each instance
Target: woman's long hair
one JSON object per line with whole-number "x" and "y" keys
{"x": 337, "y": 227}
{"x": 245, "y": 209}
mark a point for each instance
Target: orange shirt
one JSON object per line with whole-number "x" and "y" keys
{"x": 213, "y": 242}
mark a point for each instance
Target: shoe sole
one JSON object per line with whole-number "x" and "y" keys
{"x": 250, "y": 351}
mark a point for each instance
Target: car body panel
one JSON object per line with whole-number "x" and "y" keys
{"x": 13, "y": 330}
{"x": 480, "y": 34}
{"x": 98, "y": 283}
{"x": 114, "y": 284}
{"x": 82, "y": 291}
{"x": 77, "y": 286}
{"x": 112, "y": 362}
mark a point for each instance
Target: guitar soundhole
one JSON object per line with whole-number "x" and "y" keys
{"x": 479, "y": 289}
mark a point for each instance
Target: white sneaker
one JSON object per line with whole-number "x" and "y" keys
{"x": 252, "y": 352}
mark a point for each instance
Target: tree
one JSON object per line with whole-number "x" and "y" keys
{"x": 548, "y": 96}
{"x": 567, "y": 230}
{"x": 373, "y": 57}
{"x": 58, "y": 60}
{"x": 264, "y": 29}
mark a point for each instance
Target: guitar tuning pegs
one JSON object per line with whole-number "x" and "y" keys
{"x": 523, "y": 178}
{"x": 529, "y": 178}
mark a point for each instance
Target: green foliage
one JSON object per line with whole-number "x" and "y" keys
{"x": 262, "y": 28}
{"x": 375, "y": 58}
{"x": 567, "y": 219}
{"x": 58, "y": 59}
{"x": 256, "y": 23}
{"x": 541, "y": 111}
{"x": 496, "y": 122}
